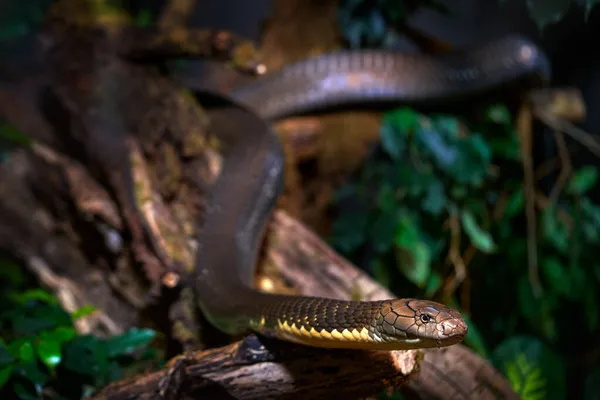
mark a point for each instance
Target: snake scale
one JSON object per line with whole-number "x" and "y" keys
{"x": 243, "y": 197}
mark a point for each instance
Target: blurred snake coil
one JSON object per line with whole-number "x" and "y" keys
{"x": 240, "y": 202}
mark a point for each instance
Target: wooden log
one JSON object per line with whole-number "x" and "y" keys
{"x": 257, "y": 368}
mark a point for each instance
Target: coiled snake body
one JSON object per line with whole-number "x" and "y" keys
{"x": 241, "y": 200}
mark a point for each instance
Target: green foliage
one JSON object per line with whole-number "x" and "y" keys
{"x": 368, "y": 23}
{"x": 534, "y": 371}
{"x": 18, "y": 18}
{"x": 437, "y": 182}
{"x": 426, "y": 172}
{"x": 41, "y": 350}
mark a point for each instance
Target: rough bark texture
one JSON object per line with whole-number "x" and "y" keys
{"x": 260, "y": 369}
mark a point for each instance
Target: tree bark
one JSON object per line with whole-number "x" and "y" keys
{"x": 257, "y": 368}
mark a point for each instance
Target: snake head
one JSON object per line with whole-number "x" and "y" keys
{"x": 413, "y": 323}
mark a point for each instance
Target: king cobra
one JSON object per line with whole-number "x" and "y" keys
{"x": 240, "y": 202}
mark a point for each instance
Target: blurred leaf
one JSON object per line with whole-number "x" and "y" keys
{"x": 434, "y": 282}
{"x": 386, "y": 199}
{"x": 62, "y": 334}
{"x": 546, "y": 12}
{"x": 558, "y": 277}
{"x": 34, "y": 294}
{"x": 348, "y": 232}
{"x": 582, "y": 180}
{"x": 514, "y": 204}
{"x": 49, "y": 351}
{"x": 128, "y": 342}
{"x": 382, "y": 232}
{"x": 115, "y": 372}
{"x": 144, "y": 18}
{"x": 444, "y": 152}
{"x": 86, "y": 355}
{"x": 12, "y": 134}
{"x": 505, "y": 147}
{"x": 404, "y": 120}
{"x": 24, "y": 350}
{"x": 499, "y": 114}
{"x": 5, "y": 374}
{"x": 11, "y": 272}
{"x": 5, "y": 356}
{"x": 534, "y": 371}
{"x": 415, "y": 263}
{"x": 538, "y": 314}
{"x": 481, "y": 239}
{"x": 392, "y": 140}
{"x": 31, "y": 371}
{"x": 25, "y": 393}
{"x": 415, "y": 182}
{"x": 40, "y": 317}
{"x": 83, "y": 312}
{"x": 20, "y": 17}
{"x": 591, "y": 386}
{"x": 435, "y": 199}
{"x": 412, "y": 253}
{"x": 555, "y": 231}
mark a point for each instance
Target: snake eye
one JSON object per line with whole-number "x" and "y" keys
{"x": 425, "y": 318}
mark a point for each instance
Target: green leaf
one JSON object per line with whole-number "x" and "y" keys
{"x": 349, "y": 231}
{"x": 31, "y": 371}
{"x": 13, "y": 135}
{"x": 514, "y": 204}
{"x": 555, "y": 232}
{"x": 34, "y": 294}
{"x": 38, "y": 317}
{"x": 558, "y": 277}
{"x": 26, "y": 351}
{"x": 582, "y": 180}
{"x": 83, "y": 312}
{"x": 404, "y": 119}
{"x": 5, "y": 374}
{"x": 5, "y": 357}
{"x": 392, "y": 140}
{"x": 539, "y": 315}
{"x": 144, "y": 18}
{"x": 49, "y": 351}
{"x": 382, "y": 232}
{"x": 62, "y": 334}
{"x": 546, "y": 12}
{"x": 415, "y": 182}
{"x": 413, "y": 255}
{"x": 481, "y": 239}
{"x": 87, "y": 355}
{"x": 434, "y": 282}
{"x": 25, "y": 393}
{"x": 415, "y": 263}
{"x": 435, "y": 199}
{"x": 128, "y": 342}
{"x": 499, "y": 114}
{"x": 534, "y": 371}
